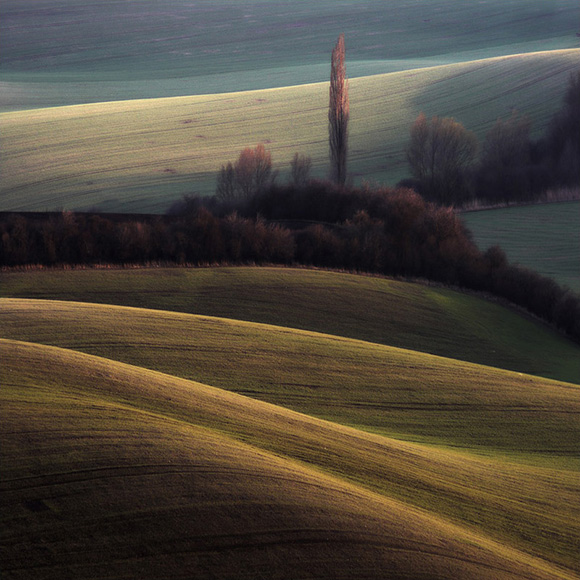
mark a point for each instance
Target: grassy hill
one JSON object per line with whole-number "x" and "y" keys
{"x": 395, "y": 392}
{"x": 410, "y": 316}
{"x": 266, "y": 422}
{"x": 141, "y": 155}
{"x": 310, "y": 454}
{"x": 157, "y": 476}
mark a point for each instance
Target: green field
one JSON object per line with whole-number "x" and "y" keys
{"x": 332, "y": 447}
{"x": 544, "y": 238}
{"x": 65, "y": 52}
{"x": 395, "y": 392}
{"x": 139, "y": 156}
{"x": 410, "y": 316}
{"x": 176, "y": 477}
{"x": 259, "y": 73}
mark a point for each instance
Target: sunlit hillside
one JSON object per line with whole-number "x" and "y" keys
{"x": 141, "y": 155}
{"x": 158, "y": 475}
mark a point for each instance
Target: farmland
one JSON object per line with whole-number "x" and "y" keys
{"x": 417, "y": 431}
{"x": 409, "y": 316}
{"x": 139, "y": 156}
{"x": 78, "y": 53}
{"x": 200, "y": 87}
{"x": 171, "y": 422}
{"x": 219, "y": 482}
{"x": 542, "y": 237}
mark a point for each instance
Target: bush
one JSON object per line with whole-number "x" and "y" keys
{"x": 387, "y": 231}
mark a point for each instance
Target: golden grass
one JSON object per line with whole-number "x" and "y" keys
{"x": 140, "y": 155}
{"x": 110, "y": 469}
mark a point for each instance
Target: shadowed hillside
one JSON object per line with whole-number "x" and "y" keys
{"x": 160, "y": 484}
{"x": 400, "y": 314}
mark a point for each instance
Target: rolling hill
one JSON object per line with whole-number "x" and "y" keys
{"x": 140, "y": 155}
{"x": 354, "y": 458}
{"x": 66, "y": 52}
{"x": 158, "y": 476}
{"x": 248, "y": 423}
{"x": 393, "y": 391}
{"x": 395, "y": 313}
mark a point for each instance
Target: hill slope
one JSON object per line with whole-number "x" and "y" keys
{"x": 551, "y": 229}
{"x": 72, "y": 51}
{"x": 401, "y": 314}
{"x": 146, "y": 471}
{"x": 142, "y": 155}
{"x": 402, "y": 393}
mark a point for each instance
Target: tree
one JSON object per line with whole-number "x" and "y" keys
{"x": 300, "y": 169}
{"x": 226, "y": 183}
{"x": 338, "y": 113}
{"x": 504, "y": 166}
{"x": 439, "y": 154}
{"x": 251, "y": 173}
{"x": 563, "y": 136}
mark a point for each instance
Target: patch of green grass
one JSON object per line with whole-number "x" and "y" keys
{"x": 142, "y": 155}
{"x": 151, "y": 465}
{"x": 401, "y": 314}
{"x": 67, "y": 52}
{"x": 543, "y": 238}
{"x": 396, "y": 392}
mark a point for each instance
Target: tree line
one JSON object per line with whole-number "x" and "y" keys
{"x": 450, "y": 167}
{"x": 408, "y": 232}
{"x": 393, "y": 232}
{"x": 447, "y": 163}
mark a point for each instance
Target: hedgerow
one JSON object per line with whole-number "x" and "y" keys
{"x": 393, "y": 232}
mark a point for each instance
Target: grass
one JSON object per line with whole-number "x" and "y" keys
{"x": 65, "y": 52}
{"x": 391, "y": 391}
{"x": 543, "y": 238}
{"x": 176, "y": 475}
{"x": 141, "y": 155}
{"x": 410, "y": 316}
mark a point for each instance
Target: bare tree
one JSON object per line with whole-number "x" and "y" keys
{"x": 504, "y": 166}
{"x": 248, "y": 175}
{"x": 338, "y": 113}
{"x": 440, "y": 153}
{"x": 300, "y": 169}
{"x": 226, "y": 183}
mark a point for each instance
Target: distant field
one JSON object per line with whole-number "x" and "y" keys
{"x": 63, "y": 52}
{"x": 142, "y": 155}
{"x": 544, "y": 238}
{"x": 400, "y": 314}
{"x": 114, "y": 470}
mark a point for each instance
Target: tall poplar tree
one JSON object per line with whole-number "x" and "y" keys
{"x": 338, "y": 113}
